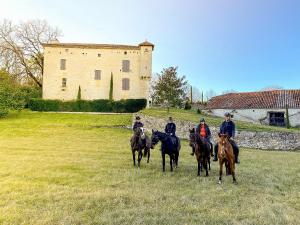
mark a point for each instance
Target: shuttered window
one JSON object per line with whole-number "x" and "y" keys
{"x": 97, "y": 74}
{"x": 64, "y": 82}
{"x": 63, "y": 64}
{"x": 125, "y": 65}
{"x": 125, "y": 84}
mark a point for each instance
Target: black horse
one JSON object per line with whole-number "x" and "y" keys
{"x": 169, "y": 145}
{"x": 202, "y": 151}
{"x": 140, "y": 142}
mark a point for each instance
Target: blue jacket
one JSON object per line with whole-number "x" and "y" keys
{"x": 170, "y": 128}
{"x": 228, "y": 128}
{"x": 137, "y": 124}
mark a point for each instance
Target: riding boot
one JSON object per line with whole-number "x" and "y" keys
{"x": 216, "y": 153}
{"x": 211, "y": 150}
{"x": 193, "y": 151}
{"x": 236, "y": 157}
{"x": 236, "y": 152}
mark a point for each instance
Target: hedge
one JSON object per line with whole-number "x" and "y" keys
{"x": 99, "y": 105}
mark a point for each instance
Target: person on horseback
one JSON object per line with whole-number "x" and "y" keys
{"x": 203, "y": 131}
{"x": 137, "y": 123}
{"x": 170, "y": 129}
{"x": 228, "y": 127}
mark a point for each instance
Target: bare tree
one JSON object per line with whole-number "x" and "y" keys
{"x": 21, "y": 51}
{"x": 196, "y": 94}
{"x": 271, "y": 88}
{"x": 209, "y": 94}
{"x": 229, "y": 91}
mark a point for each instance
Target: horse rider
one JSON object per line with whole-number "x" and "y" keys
{"x": 137, "y": 123}
{"x": 170, "y": 129}
{"x": 228, "y": 127}
{"x": 203, "y": 131}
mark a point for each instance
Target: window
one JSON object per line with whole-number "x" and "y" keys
{"x": 276, "y": 119}
{"x": 97, "y": 74}
{"x": 99, "y": 55}
{"x": 64, "y": 82}
{"x": 126, "y": 66}
{"x": 63, "y": 64}
{"x": 125, "y": 84}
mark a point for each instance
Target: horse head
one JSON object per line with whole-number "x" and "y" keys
{"x": 223, "y": 143}
{"x": 192, "y": 137}
{"x": 154, "y": 137}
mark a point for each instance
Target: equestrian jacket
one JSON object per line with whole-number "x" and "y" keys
{"x": 170, "y": 128}
{"x": 207, "y": 131}
{"x": 228, "y": 127}
{"x": 136, "y": 125}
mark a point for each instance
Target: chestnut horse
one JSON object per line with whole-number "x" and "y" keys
{"x": 202, "y": 151}
{"x": 225, "y": 155}
{"x": 140, "y": 142}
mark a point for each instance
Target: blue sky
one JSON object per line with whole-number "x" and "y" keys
{"x": 243, "y": 45}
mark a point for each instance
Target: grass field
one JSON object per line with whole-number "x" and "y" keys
{"x": 191, "y": 115}
{"x": 73, "y": 169}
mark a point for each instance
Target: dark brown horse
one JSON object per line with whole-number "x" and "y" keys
{"x": 202, "y": 151}
{"x": 140, "y": 142}
{"x": 225, "y": 155}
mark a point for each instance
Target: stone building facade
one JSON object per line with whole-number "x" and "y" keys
{"x": 91, "y": 66}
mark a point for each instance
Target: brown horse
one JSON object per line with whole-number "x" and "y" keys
{"x": 140, "y": 142}
{"x": 225, "y": 155}
{"x": 202, "y": 151}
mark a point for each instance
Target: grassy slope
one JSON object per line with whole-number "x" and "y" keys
{"x": 191, "y": 115}
{"x": 60, "y": 169}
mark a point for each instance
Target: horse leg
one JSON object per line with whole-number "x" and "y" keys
{"x": 171, "y": 162}
{"x": 140, "y": 156}
{"x": 176, "y": 160}
{"x": 133, "y": 157}
{"x": 198, "y": 174}
{"x": 232, "y": 170}
{"x": 209, "y": 163}
{"x": 220, "y": 171}
{"x": 163, "y": 160}
{"x": 206, "y": 168}
{"x": 148, "y": 156}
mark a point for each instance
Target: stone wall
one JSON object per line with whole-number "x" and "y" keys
{"x": 247, "y": 139}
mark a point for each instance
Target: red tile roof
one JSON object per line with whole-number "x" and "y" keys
{"x": 277, "y": 99}
{"x": 147, "y": 43}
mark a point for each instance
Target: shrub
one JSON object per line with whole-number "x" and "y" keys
{"x": 99, "y": 105}
{"x": 187, "y": 105}
{"x": 11, "y": 98}
{"x": 28, "y": 93}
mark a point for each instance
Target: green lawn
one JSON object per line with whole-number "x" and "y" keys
{"x": 191, "y": 115}
{"x": 67, "y": 169}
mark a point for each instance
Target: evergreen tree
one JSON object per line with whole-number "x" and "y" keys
{"x": 111, "y": 87}
{"x": 287, "y": 117}
{"x": 170, "y": 89}
{"x": 79, "y": 93}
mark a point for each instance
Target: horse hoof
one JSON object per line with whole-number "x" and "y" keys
{"x": 219, "y": 182}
